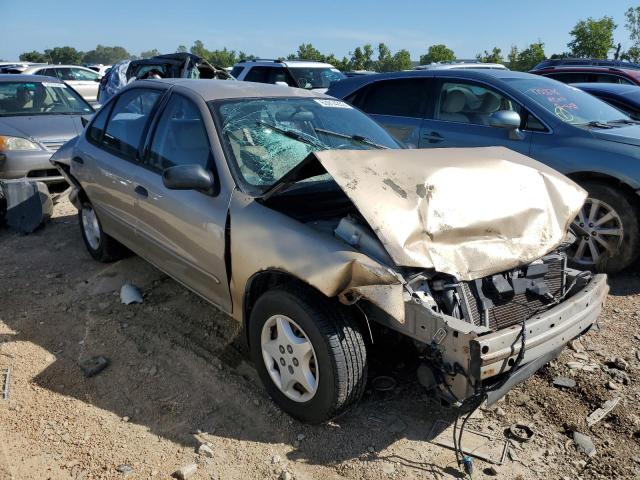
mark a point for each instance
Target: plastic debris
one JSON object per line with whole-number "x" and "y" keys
{"x": 603, "y": 411}
{"x": 129, "y": 294}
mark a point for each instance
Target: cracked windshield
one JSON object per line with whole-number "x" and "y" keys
{"x": 266, "y": 138}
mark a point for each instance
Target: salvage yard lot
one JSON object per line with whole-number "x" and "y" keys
{"x": 179, "y": 377}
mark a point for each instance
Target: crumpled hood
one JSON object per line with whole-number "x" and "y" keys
{"x": 629, "y": 134}
{"x": 42, "y": 127}
{"x": 468, "y": 212}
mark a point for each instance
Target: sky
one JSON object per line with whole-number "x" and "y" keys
{"x": 274, "y": 28}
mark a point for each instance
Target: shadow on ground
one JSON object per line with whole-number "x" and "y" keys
{"x": 177, "y": 365}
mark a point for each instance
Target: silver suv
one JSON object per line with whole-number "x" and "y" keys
{"x": 293, "y": 73}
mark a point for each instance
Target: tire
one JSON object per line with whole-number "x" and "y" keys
{"x": 338, "y": 349}
{"x": 101, "y": 246}
{"x": 623, "y": 247}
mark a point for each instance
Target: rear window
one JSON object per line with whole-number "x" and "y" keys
{"x": 402, "y": 98}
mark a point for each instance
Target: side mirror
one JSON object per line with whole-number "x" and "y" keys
{"x": 189, "y": 177}
{"x": 509, "y": 120}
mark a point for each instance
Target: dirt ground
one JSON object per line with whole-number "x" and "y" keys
{"x": 179, "y": 377}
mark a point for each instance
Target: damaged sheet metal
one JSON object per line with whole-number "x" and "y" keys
{"x": 467, "y": 212}
{"x": 280, "y": 243}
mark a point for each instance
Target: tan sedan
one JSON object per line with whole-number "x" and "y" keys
{"x": 303, "y": 219}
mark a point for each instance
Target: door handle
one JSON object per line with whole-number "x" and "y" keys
{"x": 141, "y": 191}
{"x": 433, "y": 137}
{"x": 78, "y": 160}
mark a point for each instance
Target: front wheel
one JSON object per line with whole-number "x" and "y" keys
{"x": 309, "y": 354}
{"x": 607, "y": 230}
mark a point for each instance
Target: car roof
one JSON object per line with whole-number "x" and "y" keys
{"x": 347, "y": 86}
{"x": 286, "y": 63}
{"x": 51, "y": 65}
{"x": 23, "y": 77}
{"x": 222, "y": 89}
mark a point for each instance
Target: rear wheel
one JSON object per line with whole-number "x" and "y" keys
{"x": 607, "y": 229}
{"x": 309, "y": 354}
{"x": 101, "y": 246}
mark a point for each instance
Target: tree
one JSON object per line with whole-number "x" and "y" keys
{"x": 223, "y": 58}
{"x": 592, "y": 38}
{"x": 526, "y": 59}
{"x": 181, "y": 49}
{"x": 33, "y": 56}
{"x": 306, "y": 51}
{"x": 362, "y": 58}
{"x": 437, "y": 53}
{"x": 385, "y": 60}
{"x": 150, "y": 53}
{"x": 68, "y": 55}
{"x": 402, "y": 60}
{"x": 198, "y": 49}
{"x": 495, "y": 56}
{"x": 633, "y": 26}
{"x": 105, "y": 55}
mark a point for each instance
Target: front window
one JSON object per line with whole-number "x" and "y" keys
{"x": 266, "y": 138}
{"x": 567, "y": 103}
{"x": 315, "y": 77}
{"x": 40, "y": 98}
{"x": 464, "y": 102}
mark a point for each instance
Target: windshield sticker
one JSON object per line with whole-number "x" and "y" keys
{"x": 55, "y": 85}
{"x": 331, "y": 103}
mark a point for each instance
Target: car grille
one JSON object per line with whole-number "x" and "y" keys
{"x": 512, "y": 309}
{"x": 53, "y": 145}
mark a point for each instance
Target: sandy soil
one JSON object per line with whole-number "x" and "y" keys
{"x": 179, "y": 377}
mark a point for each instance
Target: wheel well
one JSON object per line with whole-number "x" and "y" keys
{"x": 266, "y": 280}
{"x": 605, "y": 179}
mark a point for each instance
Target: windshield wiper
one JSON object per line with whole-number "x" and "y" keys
{"x": 300, "y": 136}
{"x": 596, "y": 124}
{"x": 355, "y": 138}
{"x": 626, "y": 121}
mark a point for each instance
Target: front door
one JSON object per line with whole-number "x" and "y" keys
{"x": 184, "y": 230}
{"x": 462, "y": 116}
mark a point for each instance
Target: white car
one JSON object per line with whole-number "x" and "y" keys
{"x": 294, "y": 73}
{"x": 461, "y": 64}
{"x": 84, "y": 80}
{"x": 99, "y": 68}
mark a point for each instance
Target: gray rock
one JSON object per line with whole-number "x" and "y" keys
{"x": 124, "y": 469}
{"x": 521, "y": 399}
{"x": 205, "y": 450}
{"x": 576, "y": 346}
{"x": 388, "y": 468}
{"x": 275, "y": 459}
{"x": 621, "y": 364}
{"x": 185, "y": 472}
{"x": 564, "y": 382}
{"x": 612, "y": 386}
{"x": 584, "y": 444}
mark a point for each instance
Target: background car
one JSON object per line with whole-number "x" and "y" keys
{"x": 173, "y": 65}
{"x": 99, "y": 68}
{"x": 37, "y": 115}
{"x": 83, "y": 80}
{"x": 587, "y": 70}
{"x": 622, "y": 96}
{"x": 454, "y": 64}
{"x": 294, "y": 73}
{"x": 577, "y": 134}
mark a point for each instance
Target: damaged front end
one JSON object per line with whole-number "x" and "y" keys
{"x": 461, "y": 250}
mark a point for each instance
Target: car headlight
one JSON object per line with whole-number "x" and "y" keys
{"x": 16, "y": 143}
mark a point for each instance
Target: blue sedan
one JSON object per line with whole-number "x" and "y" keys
{"x": 579, "y": 135}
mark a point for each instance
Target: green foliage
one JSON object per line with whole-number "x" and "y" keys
{"x": 106, "y": 55}
{"x": 181, "y": 49}
{"x": 362, "y": 59}
{"x": 33, "y": 56}
{"x": 150, "y": 53}
{"x": 494, "y": 56}
{"x": 306, "y": 51}
{"x": 63, "y": 55}
{"x": 526, "y": 59}
{"x": 633, "y": 26}
{"x": 437, "y": 53}
{"x": 219, "y": 58}
{"x": 592, "y": 38}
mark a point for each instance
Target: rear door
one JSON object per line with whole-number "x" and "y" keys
{"x": 184, "y": 230}
{"x": 85, "y": 82}
{"x": 107, "y": 162}
{"x": 399, "y": 105}
{"x": 461, "y": 117}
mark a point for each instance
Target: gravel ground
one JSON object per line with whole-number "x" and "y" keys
{"x": 179, "y": 377}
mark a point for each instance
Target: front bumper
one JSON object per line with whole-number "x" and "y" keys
{"x": 31, "y": 164}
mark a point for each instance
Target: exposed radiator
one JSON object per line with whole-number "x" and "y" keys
{"x": 510, "y": 309}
